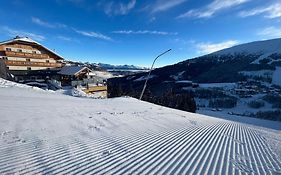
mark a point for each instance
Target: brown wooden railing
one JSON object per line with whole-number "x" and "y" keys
{"x": 32, "y": 64}
{"x": 26, "y": 55}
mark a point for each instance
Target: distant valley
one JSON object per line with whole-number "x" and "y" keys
{"x": 252, "y": 69}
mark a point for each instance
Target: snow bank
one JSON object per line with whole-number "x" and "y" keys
{"x": 9, "y": 84}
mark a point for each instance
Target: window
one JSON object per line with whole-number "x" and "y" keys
{"x": 28, "y": 60}
{"x": 28, "y": 68}
{"x": 34, "y": 52}
{"x": 8, "y": 49}
{"x": 47, "y": 61}
{"x": 19, "y": 50}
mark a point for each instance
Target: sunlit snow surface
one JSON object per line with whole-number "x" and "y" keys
{"x": 44, "y": 132}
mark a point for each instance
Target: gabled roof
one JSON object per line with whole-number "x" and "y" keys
{"x": 72, "y": 70}
{"x": 29, "y": 40}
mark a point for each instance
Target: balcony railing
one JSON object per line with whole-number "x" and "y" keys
{"x": 32, "y": 64}
{"x": 26, "y": 55}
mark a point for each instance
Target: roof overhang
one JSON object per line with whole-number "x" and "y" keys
{"x": 30, "y": 41}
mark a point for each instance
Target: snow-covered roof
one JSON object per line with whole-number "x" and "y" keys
{"x": 29, "y": 40}
{"x": 72, "y": 70}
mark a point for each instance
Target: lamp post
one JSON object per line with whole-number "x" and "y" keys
{"x": 145, "y": 84}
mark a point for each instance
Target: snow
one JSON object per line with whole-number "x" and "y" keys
{"x": 266, "y": 47}
{"x": 263, "y": 49}
{"x": 184, "y": 81}
{"x": 178, "y": 76}
{"x": 71, "y": 70}
{"x": 257, "y": 61}
{"x": 102, "y": 74}
{"x": 50, "y": 133}
{"x": 260, "y": 73}
{"x": 142, "y": 78}
{"x": 276, "y": 77}
{"x": 218, "y": 85}
{"x": 9, "y": 84}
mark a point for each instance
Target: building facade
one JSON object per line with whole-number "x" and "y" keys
{"x": 22, "y": 55}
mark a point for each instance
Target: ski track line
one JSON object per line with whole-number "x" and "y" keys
{"x": 222, "y": 161}
{"x": 211, "y": 149}
{"x": 147, "y": 170}
{"x": 258, "y": 156}
{"x": 266, "y": 156}
{"x": 191, "y": 145}
{"x": 273, "y": 161}
{"x": 194, "y": 161}
{"x": 58, "y": 149}
{"x": 228, "y": 167}
{"x": 139, "y": 146}
{"x": 160, "y": 160}
{"x": 38, "y": 150}
{"x": 188, "y": 155}
{"x": 212, "y": 154}
{"x": 194, "y": 150}
{"x": 79, "y": 147}
{"x": 140, "y": 159}
{"x": 79, "y": 156}
{"x": 115, "y": 151}
{"x": 172, "y": 157}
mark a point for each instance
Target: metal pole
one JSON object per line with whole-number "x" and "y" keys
{"x": 145, "y": 84}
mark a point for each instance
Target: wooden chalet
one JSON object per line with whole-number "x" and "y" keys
{"x": 24, "y": 58}
{"x": 83, "y": 77}
{"x": 78, "y": 75}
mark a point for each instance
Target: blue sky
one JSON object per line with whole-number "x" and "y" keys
{"x": 135, "y": 31}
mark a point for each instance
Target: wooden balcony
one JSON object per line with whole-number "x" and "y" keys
{"x": 32, "y": 64}
{"x": 93, "y": 89}
{"x": 26, "y": 55}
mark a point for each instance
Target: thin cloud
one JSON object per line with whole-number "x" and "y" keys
{"x": 152, "y": 32}
{"x": 64, "y": 38}
{"x": 117, "y": 8}
{"x": 93, "y": 35}
{"x": 47, "y": 24}
{"x": 163, "y": 5}
{"x": 211, "y": 9}
{"x": 271, "y": 11}
{"x": 13, "y": 32}
{"x": 206, "y": 48}
{"x": 270, "y": 32}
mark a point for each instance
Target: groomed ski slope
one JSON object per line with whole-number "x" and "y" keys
{"x": 48, "y": 133}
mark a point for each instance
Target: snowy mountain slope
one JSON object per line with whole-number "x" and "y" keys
{"x": 262, "y": 48}
{"x": 257, "y": 47}
{"x": 257, "y": 61}
{"x": 122, "y": 67}
{"x": 49, "y": 133}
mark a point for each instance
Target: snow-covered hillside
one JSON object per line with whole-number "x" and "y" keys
{"x": 257, "y": 47}
{"x": 50, "y": 133}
